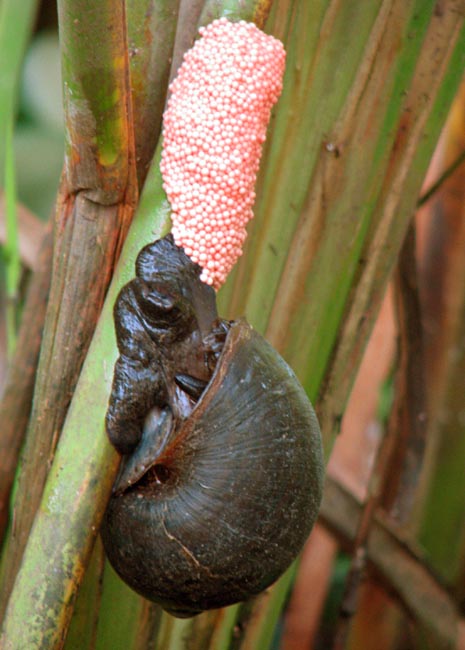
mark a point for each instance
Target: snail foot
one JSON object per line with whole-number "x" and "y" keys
{"x": 156, "y": 431}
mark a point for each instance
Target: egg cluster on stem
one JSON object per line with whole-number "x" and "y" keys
{"x": 214, "y": 128}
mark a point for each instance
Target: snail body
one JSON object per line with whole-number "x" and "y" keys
{"x": 223, "y": 484}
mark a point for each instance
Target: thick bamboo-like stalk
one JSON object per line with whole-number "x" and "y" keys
{"x": 83, "y": 631}
{"x": 82, "y": 67}
{"x": 151, "y": 26}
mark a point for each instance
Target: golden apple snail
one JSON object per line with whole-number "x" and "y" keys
{"x": 222, "y": 473}
{"x": 222, "y": 470}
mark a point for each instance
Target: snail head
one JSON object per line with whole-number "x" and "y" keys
{"x": 172, "y": 298}
{"x": 167, "y": 314}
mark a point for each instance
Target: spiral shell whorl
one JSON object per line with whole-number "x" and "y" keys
{"x": 241, "y": 494}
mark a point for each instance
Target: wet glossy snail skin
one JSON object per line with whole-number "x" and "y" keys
{"x": 211, "y": 506}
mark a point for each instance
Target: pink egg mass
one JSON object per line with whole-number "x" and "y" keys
{"x": 213, "y": 131}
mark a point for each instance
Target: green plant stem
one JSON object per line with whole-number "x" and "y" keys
{"x": 15, "y": 405}
{"x": 11, "y": 247}
{"x": 98, "y": 112}
{"x": 400, "y": 565}
{"x": 16, "y": 22}
{"x": 436, "y": 186}
{"x": 256, "y": 11}
{"x": 151, "y": 26}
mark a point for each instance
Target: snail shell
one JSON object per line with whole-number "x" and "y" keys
{"x": 237, "y": 492}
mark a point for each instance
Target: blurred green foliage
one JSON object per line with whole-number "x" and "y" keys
{"x": 39, "y": 139}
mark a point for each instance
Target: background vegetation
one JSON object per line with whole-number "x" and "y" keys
{"x": 368, "y": 89}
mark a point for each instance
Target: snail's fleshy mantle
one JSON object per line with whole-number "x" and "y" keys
{"x": 222, "y": 469}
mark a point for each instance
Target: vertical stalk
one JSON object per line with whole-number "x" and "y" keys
{"x": 15, "y": 406}
{"x": 11, "y": 247}
{"x": 151, "y": 26}
{"x": 16, "y": 23}
{"x": 442, "y": 284}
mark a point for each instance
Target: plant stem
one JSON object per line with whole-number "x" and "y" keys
{"x": 16, "y": 21}
{"x": 11, "y": 247}
{"x": 399, "y": 564}
{"x": 436, "y": 186}
{"x": 15, "y": 406}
